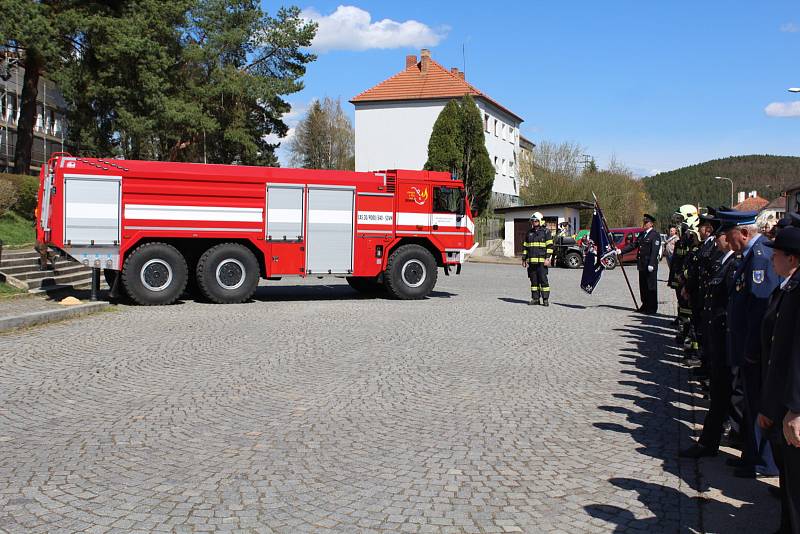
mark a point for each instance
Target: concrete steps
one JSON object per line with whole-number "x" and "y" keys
{"x": 20, "y": 268}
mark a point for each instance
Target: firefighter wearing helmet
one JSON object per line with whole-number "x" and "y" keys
{"x": 536, "y": 253}
{"x": 687, "y": 219}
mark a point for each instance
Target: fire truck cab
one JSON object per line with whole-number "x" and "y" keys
{"x": 155, "y": 227}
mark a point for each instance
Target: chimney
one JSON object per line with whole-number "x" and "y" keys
{"x": 740, "y": 197}
{"x": 425, "y": 60}
{"x": 752, "y": 194}
{"x": 411, "y": 61}
{"x": 455, "y": 72}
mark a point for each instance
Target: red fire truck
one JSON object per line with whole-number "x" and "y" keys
{"x": 155, "y": 227}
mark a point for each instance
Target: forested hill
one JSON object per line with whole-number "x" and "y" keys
{"x": 769, "y": 175}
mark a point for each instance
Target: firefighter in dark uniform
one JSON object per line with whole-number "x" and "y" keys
{"x": 684, "y": 249}
{"x": 715, "y": 314}
{"x": 648, "y": 244}
{"x": 536, "y": 253}
{"x": 779, "y": 413}
{"x": 699, "y": 270}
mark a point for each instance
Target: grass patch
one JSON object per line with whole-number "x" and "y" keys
{"x": 16, "y": 230}
{"x": 8, "y": 291}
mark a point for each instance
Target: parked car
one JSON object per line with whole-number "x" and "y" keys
{"x": 623, "y": 237}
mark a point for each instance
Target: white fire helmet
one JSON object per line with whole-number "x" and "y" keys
{"x": 537, "y": 216}
{"x": 688, "y": 214}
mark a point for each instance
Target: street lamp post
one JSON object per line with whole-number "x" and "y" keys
{"x": 731, "y": 181}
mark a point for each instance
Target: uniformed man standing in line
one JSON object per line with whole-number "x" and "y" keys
{"x": 754, "y": 281}
{"x": 648, "y": 244}
{"x": 721, "y": 387}
{"x": 780, "y": 336}
{"x": 537, "y": 250}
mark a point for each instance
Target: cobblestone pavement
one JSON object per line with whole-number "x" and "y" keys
{"x": 315, "y": 409}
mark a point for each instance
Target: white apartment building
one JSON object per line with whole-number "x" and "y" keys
{"x": 394, "y": 120}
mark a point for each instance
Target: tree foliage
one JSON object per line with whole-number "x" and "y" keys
{"x": 695, "y": 184}
{"x": 457, "y": 145}
{"x": 324, "y": 138}
{"x": 36, "y": 32}
{"x": 188, "y": 80}
{"x": 557, "y": 175}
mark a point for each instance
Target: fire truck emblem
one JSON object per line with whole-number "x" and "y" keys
{"x": 417, "y": 196}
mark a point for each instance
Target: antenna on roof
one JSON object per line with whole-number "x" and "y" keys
{"x": 463, "y": 58}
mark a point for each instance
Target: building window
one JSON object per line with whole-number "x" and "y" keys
{"x": 486, "y": 122}
{"x": 50, "y": 127}
{"x": 495, "y": 127}
{"x": 39, "y": 117}
{"x": 496, "y": 168}
{"x": 12, "y": 108}
{"x": 503, "y": 166}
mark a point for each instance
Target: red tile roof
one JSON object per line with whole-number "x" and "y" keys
{"x": 752, "y": 204}
{"x": 413, "y": 84}
{"x": 778, "y": 203}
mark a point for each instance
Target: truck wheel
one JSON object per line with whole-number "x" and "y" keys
{"x": 154, "y": 274}
{"x": 365, "y": 284}
{"x": 573, "y": 260}
{"x": 227, "y": 273}
{"x": 410, "y": 273}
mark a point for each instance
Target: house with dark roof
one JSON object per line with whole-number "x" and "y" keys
{"x": 394, "y": 120}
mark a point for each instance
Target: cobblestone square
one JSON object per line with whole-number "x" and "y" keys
{"x": 315, "y": 409}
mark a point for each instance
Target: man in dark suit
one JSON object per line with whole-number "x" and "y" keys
{"x": 649, "y": 245}
{"x": 780, "y": 401}
{"x": 754, "y": 282}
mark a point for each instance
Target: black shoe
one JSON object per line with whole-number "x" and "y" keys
{"x": 744, "y": 472}
{"x": 697, "y": 451}
{"x": 749, "y": 472}
{"x": 545, "y": 302}
{"x": 533, "y": 302}
{"x": 735, "y": 462}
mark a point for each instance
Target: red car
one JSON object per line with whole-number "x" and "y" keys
{"x": 623, "y": 237}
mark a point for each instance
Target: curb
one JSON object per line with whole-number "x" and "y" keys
{"x": 49, "y": 316}
{"x": 494, "y": 259}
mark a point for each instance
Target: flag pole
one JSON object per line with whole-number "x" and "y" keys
{"x": 617, "y": 258}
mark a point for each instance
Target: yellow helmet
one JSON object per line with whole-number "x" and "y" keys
{"x": 687, "y": 214}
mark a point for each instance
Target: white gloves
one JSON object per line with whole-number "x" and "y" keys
{"x": 649, "y": 268}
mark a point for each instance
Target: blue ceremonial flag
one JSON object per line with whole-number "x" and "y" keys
{"x": 598, "y": 252}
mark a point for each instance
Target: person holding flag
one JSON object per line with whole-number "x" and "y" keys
{"x": 648, "y": 244}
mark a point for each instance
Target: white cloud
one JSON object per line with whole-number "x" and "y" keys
{"x": 783, "y": 109}
{"x": 351, "y": 28}
{"x": 790, "y": 27}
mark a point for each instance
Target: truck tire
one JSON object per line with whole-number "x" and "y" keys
{"x": 573, "y": 260}
{"x": 154, "y": 274}
{"x": 227, "y": 273}
{"x": 410, "y": 273}
{"x": 365, "y": 284}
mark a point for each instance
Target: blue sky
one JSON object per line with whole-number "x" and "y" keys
{"x": 657, "y": 85}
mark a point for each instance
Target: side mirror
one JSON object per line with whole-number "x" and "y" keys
{"x": 461, "y": 207}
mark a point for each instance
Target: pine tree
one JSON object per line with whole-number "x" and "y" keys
{"x": 477, "y": 169}
{"x": 457, "y": 145}
{"x": 445, "y": 146}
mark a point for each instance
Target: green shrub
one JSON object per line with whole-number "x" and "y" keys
{"x": 27, "y": 191}
{"x": 8, "y": 196}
